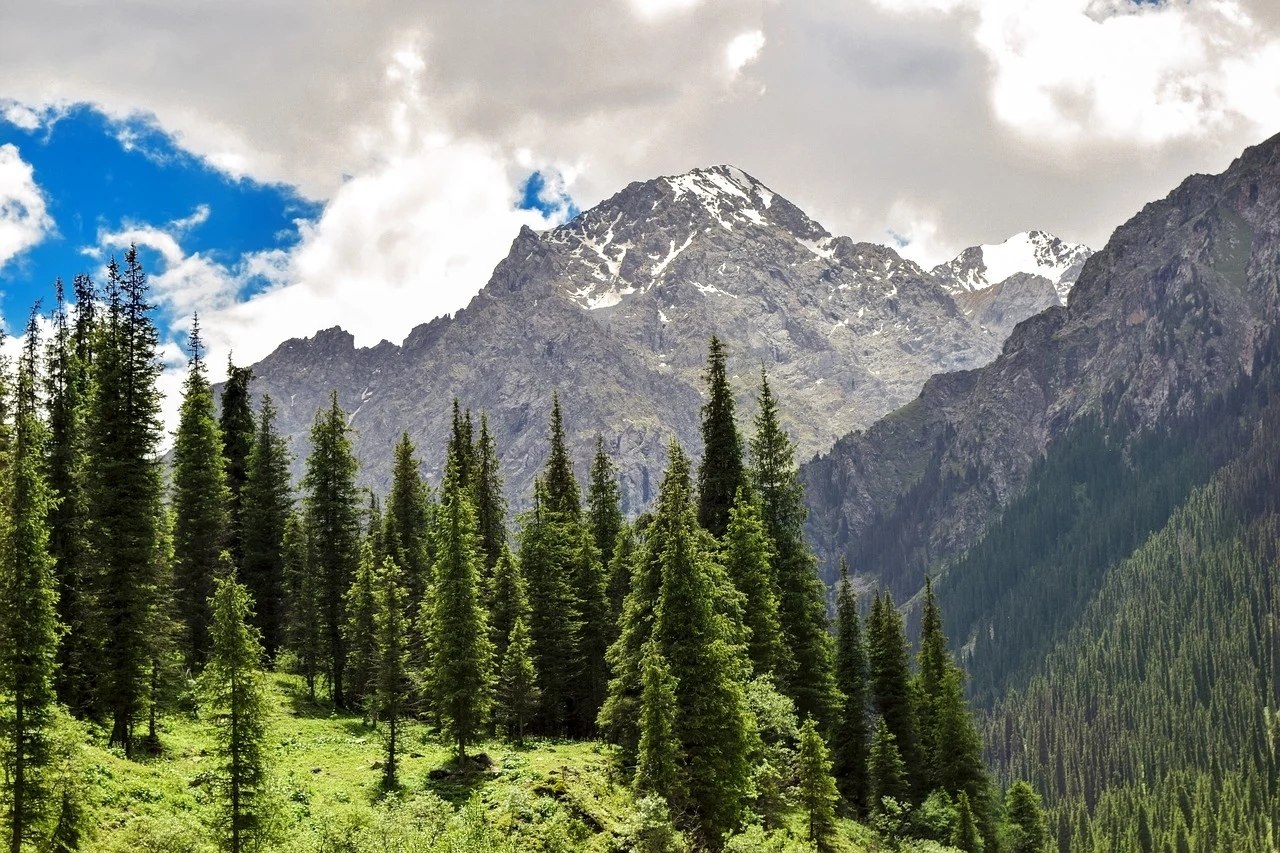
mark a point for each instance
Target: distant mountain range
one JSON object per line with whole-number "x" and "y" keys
{"x": 614, "y": 310}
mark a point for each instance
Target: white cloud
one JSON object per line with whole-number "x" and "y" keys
{"x": 743, "y": 50}
{"x": 24, "y": 219}
{"x": 657, "y": 9}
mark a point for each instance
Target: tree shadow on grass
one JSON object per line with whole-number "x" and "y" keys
{"x": 455, "y": 781}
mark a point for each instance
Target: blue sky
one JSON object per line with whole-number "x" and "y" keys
{"x": 101, "y": 177}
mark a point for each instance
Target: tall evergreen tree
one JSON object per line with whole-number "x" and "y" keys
{"x": 124, "y": 492}
{"x": 747, "y": 554}
{"x": 462, "y": 655}
{"x": 67, "y": 391}
{"x": 604, "y": 504}
{"x": 1027, "y": 832}
{"x": 886, "y": 773}
{"x": 932, "y": 665}
{"x": 332, "y": 506}
{"x": 509, "y": 602}
{"x": 890, "y": 678}
{"x": 237, "y": 428}
{"x": 802, "y": 603}
{"x": 591, "y": 681}
{"x": 720, "y": 473}
{"x": 391, "y": 683}
{"x": 563, "y": 495}
{"x": 815, "y": 788}
{"x": 237, "y": 696}
{"x": 304, "y": 610}
{"x": 267, "y": 502}
{"x": 965, "y": 837}
{"x": 360, "y": 632}
{"x": 461, "y": 450}
{"x": 491, "y": 503}
{"x": 200, "y": 501}
{"x": 29, "y": 629}
{"x": 618, "y": 570}
{"x": 407, "y": 523}
{"x": 851, "y": 678}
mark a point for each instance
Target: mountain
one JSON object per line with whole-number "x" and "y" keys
{"x": 1030, "y": 252}
{"x": 1170, "y": 311}
{"x": 614, "y": 310}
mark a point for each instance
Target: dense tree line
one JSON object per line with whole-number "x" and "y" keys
{"x": 696, "y": 637}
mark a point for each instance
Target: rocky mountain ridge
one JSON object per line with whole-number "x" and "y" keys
{"x": 614, "y": 310}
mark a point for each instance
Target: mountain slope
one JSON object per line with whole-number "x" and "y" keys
{"x": 1171, "y": 310}
{"x": 1035, "y": 253}
{"x": 614, "y": 309}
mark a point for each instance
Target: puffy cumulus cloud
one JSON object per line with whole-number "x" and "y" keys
{"x": 24, "y": 218}
{"x": 742, "y": 50}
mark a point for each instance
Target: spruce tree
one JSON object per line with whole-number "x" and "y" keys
{"x": 720, "y": 473}
{"x": 168, "y": 667}
{"x": 304, "y": 611}
{"x": 491, "y": 504}
{"x": 29, "y": 629}
{"x": 67, "y": 391}
{"x": 267, "y": 502}
{"x": 659, "y": 768}
{"x": 1027, "y": 830}
{"x": 802, "y": 603}
{"x": 563, "y": 496}
{"x": 237, "y": 698}
{"x": 966, "y": 837}
{"x": 461, "y": 451}
{"x": 886, "y": 773}
{"x": 548, "y": 553}
{"x": 407, "y": 523}
{"x": 123, "y": 427}
{"x": 618, "y": 571}
{"x": 890, "y": 679}
{"x": 391, "y": 683}
{"x": 462, "y": 655}
{"x": 747, "y": 555}
{"x": 517, "y": 680}
{"x": 200, "y": 501}
{"x": 509, "y": 602}
{"x": 332, "y": 505}
{"x": 360, "y": 633}
{"x": 851, "y": 679}
{"x": 591, "y": 681}
{"x": 604, "y": 505}
{"x": 237, "y": 428}
{"x": 932, "y": 665}
{"x": 816, "y": 790}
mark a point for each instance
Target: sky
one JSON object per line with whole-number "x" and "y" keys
{"x": 290, "y": 166}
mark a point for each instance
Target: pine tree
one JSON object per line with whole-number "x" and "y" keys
{"x": 510, "y": 602}
{"x": 591, "y": 682}
{"x": 547, "y": 558}
{"x": 462, "y": 655}
{"x": 360, "y": 633}
{"x": 965, "y": 837}
{"x": 267, "y": 501}
{"x": 168, "y": 667}
{"x": 67, "y": 392}
{"x": 816, "y": 789}
{"x": 200, "y": 500}
{"x": 461, "y": 451}
{"x": 802, "y": 604}
{"x": 123, "y": 427}
{"x": 517, "y": 680}
{"x": 618, "y": 569}
{"x": 1028, "y": 831}
{"x": 604, "y": 505}
{"x": 237, "y": 697}
{"x": 563, "y": 495}
{"x": 890, "y": 679}
{"x": 960, "y": 767}
{"x": 29, "y": 629}
{"x": 747, "y": 555}
{"x": 720, "y": 473}
{"x": 886, "y": 773}
{"x": 851, "y": 679}
{"x": 304, "y": 612}
{"x": 237, "y": 429}
{"x": 932, "y": 665}
{"x": 491, "y": 504}
{"x": 658, "y": 764}
{"x": 391, "y": 684}
{"x": 407, "y": 523}
{"x": 332, "y": 506}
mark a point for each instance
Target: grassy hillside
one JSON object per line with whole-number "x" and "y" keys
{"x": 550, "y": 795}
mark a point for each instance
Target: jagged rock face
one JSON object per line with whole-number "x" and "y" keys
{"x": 1000, "y": 307}
{"x": 614, "y": 310}
{"x": 1168, "y": 313}
{"x": 1031, "y": 252}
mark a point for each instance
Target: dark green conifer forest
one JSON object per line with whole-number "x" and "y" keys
{"x": 715, "y": 694}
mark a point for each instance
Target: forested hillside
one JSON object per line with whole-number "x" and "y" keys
{"x": 193, "y": 622}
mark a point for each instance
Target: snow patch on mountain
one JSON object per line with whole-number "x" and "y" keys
{"x": 1032, "y": 252}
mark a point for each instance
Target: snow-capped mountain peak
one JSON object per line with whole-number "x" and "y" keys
{"x": 1031, "y": 252}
